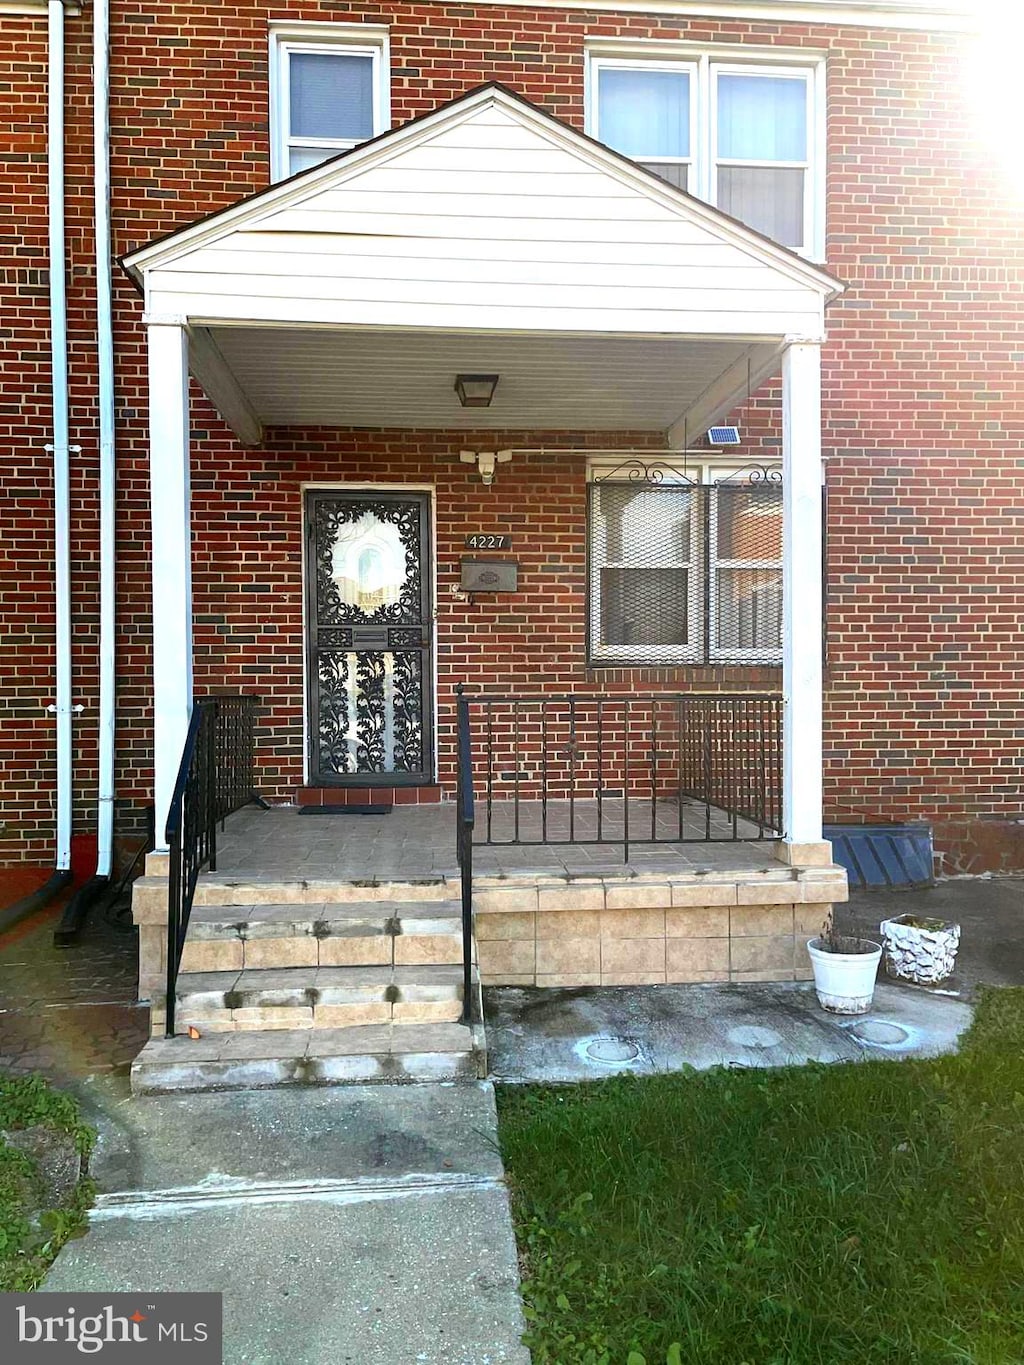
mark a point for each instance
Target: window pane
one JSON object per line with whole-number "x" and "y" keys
{"x": 331, "y": 95}
{"x": 644, "y": 113}
{"x": 672, "y": 171}
{"x": 644, "y": 606}
{"x": 643, "y": 525}
{"x": 762, "y": 118}
{"x": 749, "y": 522}
{"x": 770, "y": 200}
{"x": 749, "y": 609}
{"x": 301, "y": 158}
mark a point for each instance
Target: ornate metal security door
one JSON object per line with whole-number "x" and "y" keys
{"x": 368, "y": 623}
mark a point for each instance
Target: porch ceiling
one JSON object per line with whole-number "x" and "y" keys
{"x": 406, "y": 380}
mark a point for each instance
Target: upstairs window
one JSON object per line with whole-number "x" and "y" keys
{"x": 740, "y": 136}
{"x": 648, "y": 114}
{"x": 761, "y": 152}
{"x": 685, "y": 565}
{"x": 329, "y": 92}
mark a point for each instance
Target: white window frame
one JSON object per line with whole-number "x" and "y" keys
{"x": 704, "y": 473}
{"x": 356, "y": 40}
{"x": 597, "y": 64}
{"x": 808, "y": 165}
{"x": 733, "y": 59}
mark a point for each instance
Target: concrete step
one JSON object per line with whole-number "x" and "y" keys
{"x": 361, "y": 933}
{"x": 318, "y": 997}
{"x": 262, "y": 1059}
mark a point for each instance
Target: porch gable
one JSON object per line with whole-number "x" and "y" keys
{"x": 487, "y": 215}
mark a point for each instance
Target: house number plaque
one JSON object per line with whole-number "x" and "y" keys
{"x": 481, "y": 540}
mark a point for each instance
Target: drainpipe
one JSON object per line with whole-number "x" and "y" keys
{"x": 61, "y": 451}
{"x": 108, "y": 473}
{"x": 79, "y": 905}
{"x": 60, "y": 447}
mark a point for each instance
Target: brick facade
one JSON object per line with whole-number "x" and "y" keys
{"x": 923, "y": 403}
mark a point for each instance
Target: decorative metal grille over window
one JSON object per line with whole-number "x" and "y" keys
{"x": 683, "y": 572}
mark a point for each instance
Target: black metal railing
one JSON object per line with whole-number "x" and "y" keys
{"x": 668, "y": 768}
{"x": 465, "y": 820}
{"x": 215, "y": 778}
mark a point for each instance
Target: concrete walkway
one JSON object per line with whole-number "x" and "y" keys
{"x": 368, "y": 1225}
{"x": 582, "y": 1035}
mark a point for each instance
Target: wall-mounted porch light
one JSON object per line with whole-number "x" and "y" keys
{"x": 476, "y": 390}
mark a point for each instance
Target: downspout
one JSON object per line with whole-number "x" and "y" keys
{"x": 108, "y": 469}
{"x": 60, "y": 447}
{"x": 79, "y": 905}
{"x": 61, "y": 451}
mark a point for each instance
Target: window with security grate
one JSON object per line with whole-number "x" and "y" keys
{"x": 683, "y": 571}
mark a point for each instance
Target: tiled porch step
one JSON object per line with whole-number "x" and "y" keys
{"x": 217, "y": 889}
{"x": 324, "y": 920}
{"x": 228, "y": 938}
{"x": 318, "y": 998}
{"x": 398, "y": 1053}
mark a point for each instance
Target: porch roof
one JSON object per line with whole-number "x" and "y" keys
{"x": 486, "y": 236}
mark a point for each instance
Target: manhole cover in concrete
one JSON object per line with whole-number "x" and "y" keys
{"x": 612, "y": 1051}
{"x": 879, "y": 1032}
{"x": 749, "y": 1035}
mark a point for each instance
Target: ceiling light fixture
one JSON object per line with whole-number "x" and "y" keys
{"x": 476, "y": 390}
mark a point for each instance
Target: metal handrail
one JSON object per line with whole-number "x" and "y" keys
{"x": 659, "y": 768}
{"x": 216, "y": 776}
{"x": 465, "y": 819}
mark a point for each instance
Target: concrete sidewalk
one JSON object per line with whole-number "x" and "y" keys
{"x": 367, "y": 1225}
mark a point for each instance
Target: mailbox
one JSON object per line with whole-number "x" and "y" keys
{"x": 490, "y": 575}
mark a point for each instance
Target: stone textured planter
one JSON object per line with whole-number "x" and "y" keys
{"x": 922, "y": 952}
{"x": 845, "y": 982}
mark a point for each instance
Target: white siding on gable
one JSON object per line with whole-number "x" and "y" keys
{"x": 488, "y": 224}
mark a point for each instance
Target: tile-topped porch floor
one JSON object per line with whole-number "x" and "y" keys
{"x": 414, "y": 841}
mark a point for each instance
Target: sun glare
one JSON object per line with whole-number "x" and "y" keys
{"x": 995, "y": 89}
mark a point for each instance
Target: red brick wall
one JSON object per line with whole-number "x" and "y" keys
{"x": 923, "y": 406}
{"x": 531, "y": 642}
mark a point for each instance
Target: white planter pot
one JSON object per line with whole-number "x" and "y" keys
{"x": 845, "y": 982}
{"x": 923, "y": 955}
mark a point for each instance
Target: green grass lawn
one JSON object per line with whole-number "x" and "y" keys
{"x": 862, "y": 1213}
{"x": 31, "y": 1230}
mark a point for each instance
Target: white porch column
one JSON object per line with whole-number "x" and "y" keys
{"x": 802, "y": 603}
{"x": 172, "y": 554}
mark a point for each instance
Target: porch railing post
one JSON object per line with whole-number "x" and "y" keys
{"x": 801, "y": 592}
{"x": 465, "y": 820}
{"x": 210, "y": 779}
{"x": 172, "y": 553}
{"x": 174, "y": 885}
